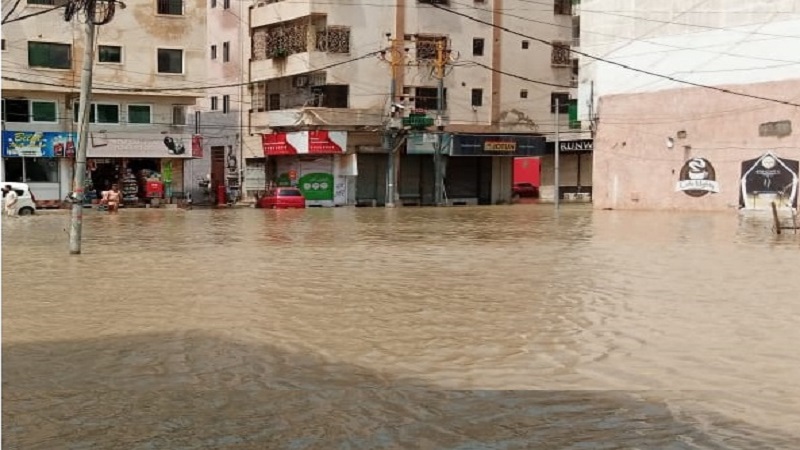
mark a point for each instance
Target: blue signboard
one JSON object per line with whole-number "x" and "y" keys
{"x": 39, "y": 144}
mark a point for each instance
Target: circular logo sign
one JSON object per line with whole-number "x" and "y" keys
{"x": 698, "y": 178}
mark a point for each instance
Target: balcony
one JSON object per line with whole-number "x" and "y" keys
{"x": 270, "y": 12}
{"x": 316, "y": 116}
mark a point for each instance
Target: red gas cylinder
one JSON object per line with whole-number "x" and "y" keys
{"x": 221, "y": 195}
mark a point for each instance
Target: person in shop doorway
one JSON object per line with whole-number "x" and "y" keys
{"x": 11, "y": 198}
{"x": 112, "y": 199}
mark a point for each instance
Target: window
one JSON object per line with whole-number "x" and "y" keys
{"x": 44, "y": 111}
{"x": 427, "y": 46}
{"x": 213, "y": 52}
{"x": 226, "y": 4}
{"x": 98, "y": 113}
{"x": 523, "y": 93}
{"x": 274, "y": 102}
{"x": 226, "y": 104}
{"x": 107, "y": 113}
{"x": 563, "y": 102}
{"x": 170, "y": 7}
{"x": 426, "y": 98}
{"x": 563, "y": 7}
{"x": 31, "y": 170}
{"x": 3, "y": 45}
{"x": 526, "y": 45}
{"x": 214, "y": 103}
{"x": 477, "y": 97}
{"x": 179, "y": 115}
{"x": 139, "y": 114}
{"x": 226, "y": 51}
{"x": 109, "y": 54}
{"x": 76, "y": 113}
{"x": 16, "y": 110}
{"x": 334, "y": 39}
{"x": 477, "y": 47}
{"x": 23, "y": 111}
{"x": 50, "y": 55}
{"x": 561, "y": 56}
{"x": 170, "y": 60}
{"x": 213, "y": 3}
{"x": 331, "y": 95}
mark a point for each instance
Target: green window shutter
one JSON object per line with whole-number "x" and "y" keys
{"x": 43, "y": 111}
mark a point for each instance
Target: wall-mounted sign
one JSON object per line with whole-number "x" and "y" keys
{"x": 39, "y": 144}
{"x": 778, "y": 129}
{"x": 697, "y": 178}
{"x": 197, "y": 146}
{"x": 582, "y": 145}
{"x": 769, "y": 179}
{"x": 499, "y": 146}
{"x": 304, "y": 142}
{"x": 420, "y": 143}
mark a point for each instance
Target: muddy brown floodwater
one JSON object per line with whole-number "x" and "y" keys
{"x": 458, "y": 328}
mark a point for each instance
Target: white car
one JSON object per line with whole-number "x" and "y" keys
{"x": 26, "y": 202}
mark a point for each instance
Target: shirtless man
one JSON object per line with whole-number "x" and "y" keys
{"x": 112, "y": 198}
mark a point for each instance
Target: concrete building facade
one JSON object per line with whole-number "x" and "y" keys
{"x": 655, "y": 135}
{"x": 321, "y": 95}
{"x": 218, "y": 118}
{"x": 147, "y": 50}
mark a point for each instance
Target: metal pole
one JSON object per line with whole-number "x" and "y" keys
{"x": 557, "y": 181}
{"x": 388, "y": 142}
{"x": 76, "y": 223}
{"x": 437, "y": 153}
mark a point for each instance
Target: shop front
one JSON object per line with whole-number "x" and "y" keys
{"x": 41, "y": 159}
{"x": 416, "y": 184}
{"x": 313, "y": 161}
{"x": 575, "y": 171}
{"x": 480, "y": 169}
{"x": 147, "y": 171}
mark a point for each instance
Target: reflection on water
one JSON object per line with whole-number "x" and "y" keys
{"x": 461, "y": 328}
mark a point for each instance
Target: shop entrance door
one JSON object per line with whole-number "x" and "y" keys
{"x": 217, "y": 168}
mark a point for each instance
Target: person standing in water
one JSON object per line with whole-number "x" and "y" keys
{"x": 11, "y": 199}
{"x": 112, "y": 198}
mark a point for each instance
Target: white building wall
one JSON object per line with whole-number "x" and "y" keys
{"x": 369, "y": 79}
{"x": 221, "y": 127}
{"x": 140, "y": 32}
{"x": 716, "y": 42}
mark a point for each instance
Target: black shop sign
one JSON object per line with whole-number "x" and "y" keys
{"x": 497, "y": 145}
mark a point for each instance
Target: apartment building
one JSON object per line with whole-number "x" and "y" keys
{"x": 218, "y": 118}
{"x": 662, "y": 140}
{"x": 326, "y": 116}
{"x": 148, "y": 61}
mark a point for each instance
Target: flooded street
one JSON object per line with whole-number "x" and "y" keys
{"x": 457, "y": 328}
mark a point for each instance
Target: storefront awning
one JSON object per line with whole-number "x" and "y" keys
{"x": 497, "y": 145}
{"x": 304, "y": 142}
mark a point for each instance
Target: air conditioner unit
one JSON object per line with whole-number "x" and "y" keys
{"x": 301, "y": 81}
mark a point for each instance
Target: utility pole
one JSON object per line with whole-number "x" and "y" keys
{"x": 442, "y": 57}
{"x": 76, "y": 222}
{"x": 557, "y": 181}
{"x": 396, "y": 61}
{"x": 97, "y": 12}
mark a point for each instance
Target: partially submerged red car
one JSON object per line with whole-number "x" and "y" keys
{"x": 283, "y": 197}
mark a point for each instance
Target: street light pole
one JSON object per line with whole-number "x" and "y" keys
{"x": 557, "y": 181}
{"x": 76, "y": 222}
{"x": 441, "y": 61}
